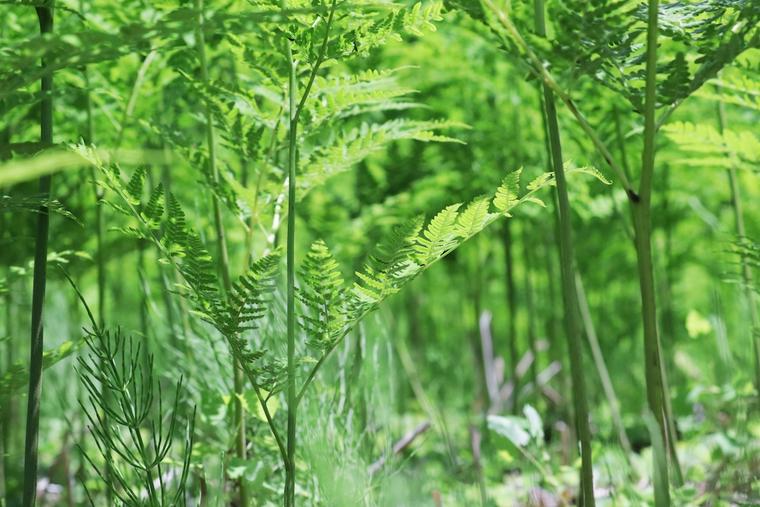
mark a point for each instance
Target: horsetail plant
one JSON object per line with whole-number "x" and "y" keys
{"x": 127, "y": 423}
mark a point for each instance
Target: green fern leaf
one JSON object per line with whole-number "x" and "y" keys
{"x": 439, "y": 236}
{"x": 323, "y": 295}
{"x": 507, "y": 194}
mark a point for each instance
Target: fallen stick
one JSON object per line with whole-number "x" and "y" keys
{"x": 399, "y": 446}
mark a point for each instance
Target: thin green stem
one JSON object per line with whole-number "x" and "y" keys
{"x": 641, "y": 207}
{"x": 530, "y": 307}
{"x": 100, "y": 257}
{"x": 45, "y": 15}
{"x": 572, "y": 328}
{"x": 224, "y": 262}
{"x": 601, "y": 368}
{"x": 512, "y": 309}
{"x": 291, "y": 270}
{"x": 293, "y": 116}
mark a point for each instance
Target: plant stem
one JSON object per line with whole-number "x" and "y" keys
{"x": 512, "y": 309}
{"x": 572, "y": 329}
{"x": 290, "y": 475}
{"x": 100, "y": 257}
{"x": 601, "y": 368}
{"x": 224, "y": 263}
{"x": 294, "y": 112}
{"x": 641, "y": 207}
{"x": 746, "y": 270}
{"x": 45, "y": 15}
{"x": 530, "y": 308}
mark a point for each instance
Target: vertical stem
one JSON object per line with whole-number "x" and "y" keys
{"x": 572, "y": 329}
{"x": 512, "y": 309}
{"x": 601, "y": 367}
{"x": 6, "y": 404}
{"x": 529, "y": 307}
{"x": 99, "y": 258}
{"x": 294, "y": 110}
{"x": 238, "y": 375}
{"x": 291, "y": 281}
{"x": 641, "y": 205}
{"x": 746, "y": 271}
{"x": 45, "y": 15}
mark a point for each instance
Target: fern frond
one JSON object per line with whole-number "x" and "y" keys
{"x": 338, "y": 97}
{"x": 439, "y": 236}
{"x": 323, "y": 295}
{"x": 709, "y": 147}
{"x": 14, "y": 203}
{"x": 359, "y": 143}
{"x": 507, "y": 194}
{"x": 251, "y": 295}
{"x": 473, "y": 218}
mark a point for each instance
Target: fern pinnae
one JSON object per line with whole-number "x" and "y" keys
{"x": 412, "y": 249}
{"x": 184, "y": 250}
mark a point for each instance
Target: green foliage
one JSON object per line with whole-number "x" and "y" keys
{"x": 704, "y": 145}
{"x": 119, "y": 380}
{"x": 603, "y": 40}
{"x": 323, "y": 295}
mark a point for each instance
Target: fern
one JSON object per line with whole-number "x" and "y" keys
{"x": 338, "y": 97}
{"x": 183, "y": 247}
{"x": 359, "y": 143}
{"x": 15, "y": 203}
{"x": 604, "y": 40}
{"x": 474, "y": 217}
{"x": 506, "y": 195}
{"x": 439, "y": 236}
{"x": 323, "y": 295}
{"x": 706, "y": 146}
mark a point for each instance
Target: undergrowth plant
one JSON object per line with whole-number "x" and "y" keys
{"x": 127, "y": 421}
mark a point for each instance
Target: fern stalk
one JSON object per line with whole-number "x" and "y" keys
{"x": 572, "y": 328}
{"x": 45, "y": 15}
{"x": 224, "y": 263}
{"x": 746, "y": 271}
{"x": 293, "y": 115}
{"x": 641, "y": 205}
{"x": 530, "y": 309}
{"x": 290, "y": 467}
